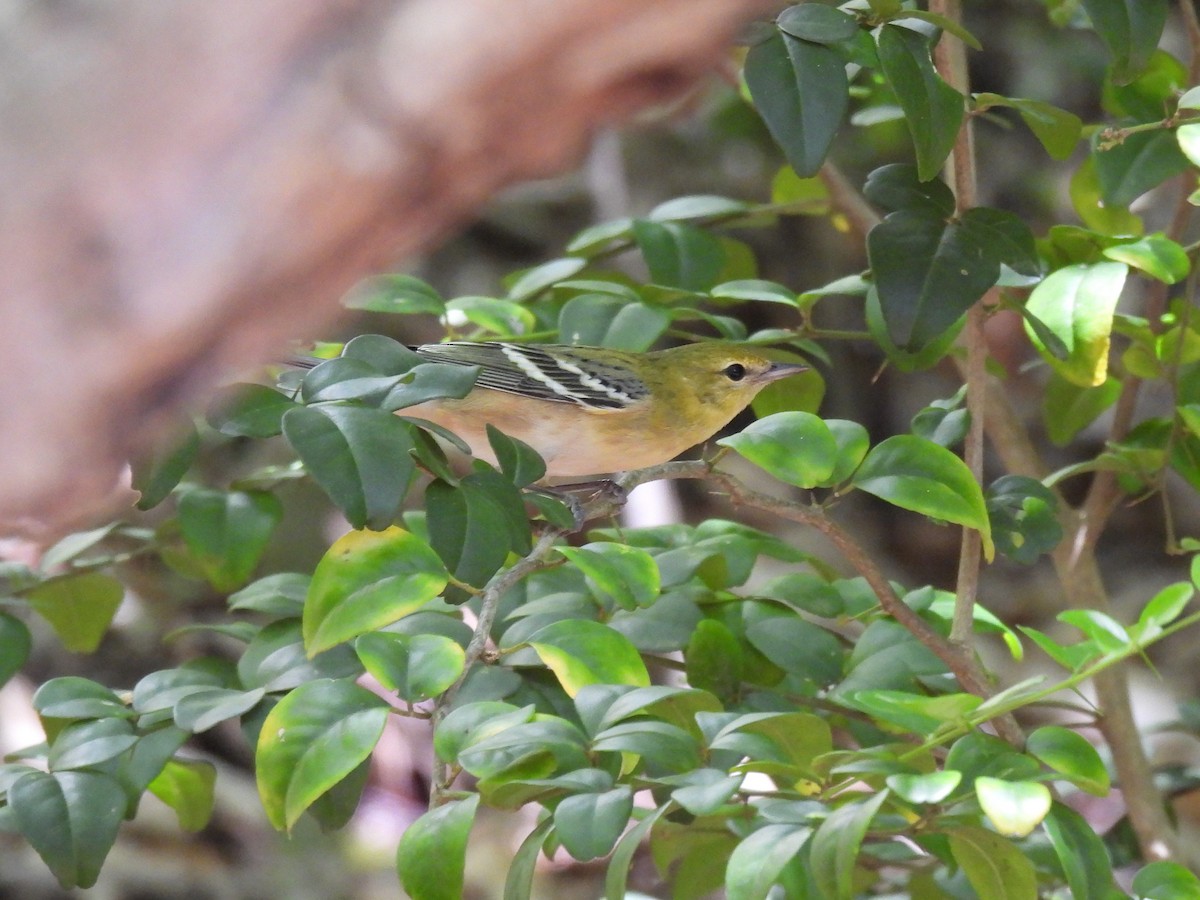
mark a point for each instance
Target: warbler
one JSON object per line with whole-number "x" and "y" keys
{"x": 592, "y": 410}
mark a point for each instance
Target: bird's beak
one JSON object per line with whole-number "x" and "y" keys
{"x": 782, "y": 370}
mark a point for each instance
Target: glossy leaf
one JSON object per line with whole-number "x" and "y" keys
{"x": 367, "y": 580}
{"x": 917, "y": 475}
{"x": 432, "y": 854}
{"x": 275, "y": 659}
{"x": 678, "y": 255}
{"x": 359, "y": 457}
{"x": 836, "y": 844}
{"x": 581, "y": 652}
{"x": 89, "y": 743}
{"x": 1024, "y": 517}
{"x": 519, "y": 462}
{"x": 599, "y": 320}
{"x": 1015, "y": 808}
{"x": 416, "y": 667}
{"x": 473, "y": 525}
{"x": 1077, "y": 303}
{"x": 756, "y": 863}
{"x": 204, "y": 709}
{"x": 898, "y": 186}
{"x": 227, "y": 532}
{"x": 78, "y": 607}
{"x": 1165, "y": 881}
{"x": 588, "y": 825}
{"x": 249, "y": 410}
{"x": 71, "y": 697}
{"x": 1154, "y": 254}
{"x": 534, "y": 281}
{"x": 617, "y": 573}
{"x": 819, "y": 24}
{"x": 796, "y": 447}
{"x": 1080, "y": 852}
{"x": 800, "y": 89}
{"x": 1141, "y": 161}
{"x": 1072, "y": 756}
{"x": 933, "y": 110}
{"x": 994, "y": 866}
{"x": 397, "y": 294}
{"x": 930, "y": 787}
{"x": 70, "y": 819}
{"x": 312, "y": 739}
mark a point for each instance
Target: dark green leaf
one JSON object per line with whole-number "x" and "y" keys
{"x": 678, "y": 255}
{"x": 70, "y": 819}
{"x": 312, "y": 739}
{"x": 89, "y": 743}
{"x": 429, "y": 381}
{"x": 227, "y": 531}
{"x": 1080, "y": 852}
{"x": 897, "y": 186}
{"x": 816, "y": 23}
{"x": 276, "y": 661}
{"x": 714, "y": 659}
{"x": 933, "y": 110}
{"x": 1024, "y": 517}
{"x": 800, "y": 89}
{"x": 1130, "y": 29}
{"x": 249, "y": 410}
{"x": 1140, "y": 162}
{"x": 15, "y": 643}
{"x": 157, "y": 473}
{"x": 588, "y": 825}
{"x": 519, "y": 462}
{"x": 280, "y": 595}
{"x": 402, "y": 294}
{"x": 836, "y": 843}
{"x": 471, "y": 526}
{"x": 534, "y": 281}
{"x": 360, "y": 457}
{"x": 70, "y": 697}
{"x": 432, "y": 854}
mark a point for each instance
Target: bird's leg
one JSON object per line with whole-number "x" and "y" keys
{"x": 587, "y": 500}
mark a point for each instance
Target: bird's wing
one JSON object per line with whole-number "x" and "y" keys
{"x": 543, "y": 371}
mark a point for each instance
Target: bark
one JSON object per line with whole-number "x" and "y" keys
{"x": 185, "y": 186}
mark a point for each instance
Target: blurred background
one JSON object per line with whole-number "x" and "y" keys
{"x": 713, "y": 143}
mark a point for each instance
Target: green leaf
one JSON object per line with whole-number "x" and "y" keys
{"x": 1167, "y": 605}
{"x": 1106, "y": 632}
{"x": 945, "y": 23}
{"x": 819, "y": 24}
{"x": 698, "y": 206}
{"x": 187, "y": 786}
{"x": 275, "y": 659}
{"x": 801, "y": 90}
{"x": 248, "y": 410}
{"x": 601, "y": 320}
{"x": 994, "y": 866}
{"x": 1156, "y": 255}
{"x": 1165, "y": 881}
{"x": 755, "y": 289}
{"x": 534, "y": 281}
{"x": 502, "y": 318}
{"x": 1024, "y": 517}
{"x": 15, "y": 643}
{"x": 758, "y": 860}
{"x": 1080, "y": 852}
{"x": 89, "y": 743}
{"x": 429, "y": 381}
{"x": 1077, "y": 303}
{"x": 1057, "y": 130}
{"x": 678, "y": 255}
{"x": 915, "y": 474}
{"x": 474, "y": 525}
{"x": 201, "y": 710}
{"x": 1130, "y": 30}
{"x": 1188, "y": 138}
{"x": 432, "y": 854}
{"x": 416, "y": 667}
{"x": 1068, "y": 408}
{"x": 617, "y": 573}
{"x": 1072, "y": 756}
{"x": 367, "y": 580}
{"x": 1015, "y": 808}
{"x": 1139, "y": 163}
{"x": 622, "y": 858}
{"x": 78, "y": 607}
{"x": 932, "y": 109}
{"x": 796, "y": 447}
{"x": 588, "y": 825}
{"x": 714, "y": 659}
{"x": 279, "y": 596}
{"x": 70, "y": 819}
{"x": 897, "y": 186}
{"x": 71, "y": 697}
{"x": 359, "y": 457}
{"x": 518, "y": 883}
{"x": 930, "y": 787}
{"x": 396, "y": 294}
{"x": 227, "y": 532}
{"x": 915, "y": 712}
{"x": 836, "y": 843}
{"x": 519, "y": 462}
{"x": 581, "y": 652}
{"x": 156, "y": 474}
{"x": 312, "y": 739}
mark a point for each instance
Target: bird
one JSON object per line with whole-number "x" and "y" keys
{"x": 591, "y": 411}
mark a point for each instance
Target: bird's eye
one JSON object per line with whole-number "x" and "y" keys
{"x": 735, "y": 371}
